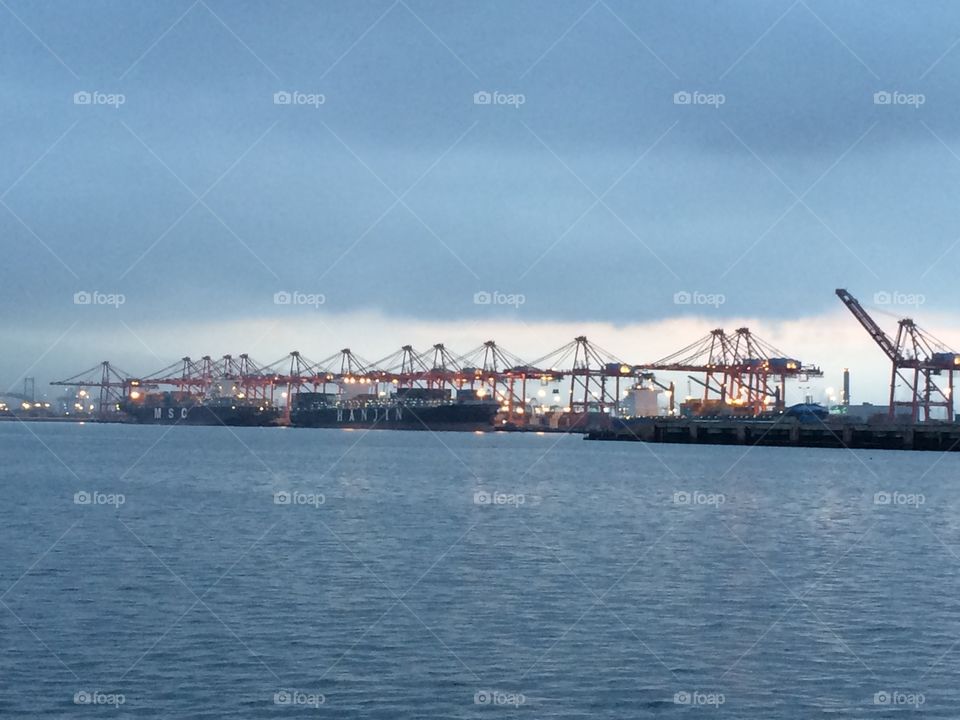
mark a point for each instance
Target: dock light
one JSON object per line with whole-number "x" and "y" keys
{"x": 82, "y": 393}
{"x": 25, "y": 406}
{"x": 624, "y": 369}
{"x": 134, "y": 395}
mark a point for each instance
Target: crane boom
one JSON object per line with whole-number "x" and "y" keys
{"x": 876, "y": 332}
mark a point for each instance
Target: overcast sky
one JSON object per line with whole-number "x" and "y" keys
{"x": 632, "y": 155}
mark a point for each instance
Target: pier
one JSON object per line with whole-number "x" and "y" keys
{"x": 785, "y": 431}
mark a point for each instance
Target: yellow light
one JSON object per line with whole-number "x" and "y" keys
{"x": 134, "y": 395}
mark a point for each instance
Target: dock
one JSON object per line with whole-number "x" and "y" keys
{"x": 785, "y": 431}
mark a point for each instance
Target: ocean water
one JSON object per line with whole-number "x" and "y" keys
{"x": 224, "y": 573}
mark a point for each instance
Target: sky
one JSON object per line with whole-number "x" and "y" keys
{"x": 418, "y": 171}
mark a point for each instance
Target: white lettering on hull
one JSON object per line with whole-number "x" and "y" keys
{"x": 350, "y": 415}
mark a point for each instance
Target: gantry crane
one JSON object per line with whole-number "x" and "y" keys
{"x": 917, "y": 359}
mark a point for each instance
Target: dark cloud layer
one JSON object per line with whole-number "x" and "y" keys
{"x": 598, "y": 198}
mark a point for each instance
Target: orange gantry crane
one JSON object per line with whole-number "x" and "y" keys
{"x": 918, "y": 360}
{"x": 741, "y": 371}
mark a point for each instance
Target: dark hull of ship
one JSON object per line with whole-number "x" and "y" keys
{"x": 235, "y": 416}
{"x": 451, "y": 417}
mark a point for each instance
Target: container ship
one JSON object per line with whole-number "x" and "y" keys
{"x": 174, "y": 408}
{"x": 407, "y": 409}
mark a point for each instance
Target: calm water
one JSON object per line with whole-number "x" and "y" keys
{"x": 269, "y": 572}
